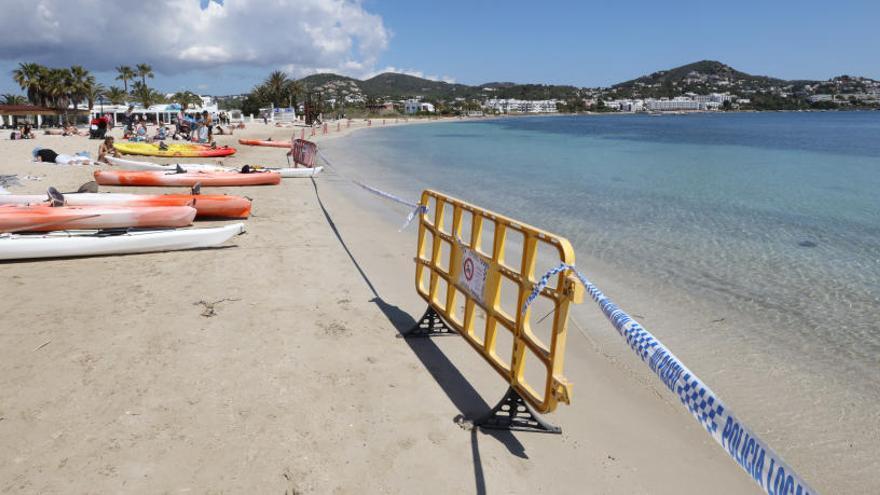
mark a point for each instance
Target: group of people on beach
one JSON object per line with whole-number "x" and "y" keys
{"x": 24, "y": 132}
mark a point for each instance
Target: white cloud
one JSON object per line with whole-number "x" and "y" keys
{"x": 176, "y": 35}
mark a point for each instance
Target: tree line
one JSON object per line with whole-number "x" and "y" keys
{"x": 60, "y": 88}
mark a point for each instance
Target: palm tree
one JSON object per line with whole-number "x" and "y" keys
{"x": 146, "y": 95}
{"x": 81, "y": 86}
{"x": 116, "y": 95}
{"x": 11, "y": 99}
{"x": 276, "y": 88}
{"x": 28, "y": 77}
{"x": 293, "y": 89}
{"x": 93, "y": 93}
{"x": 185, "y": 99}
{"x": 125, "y": 75}
{"x": 144, "y": 71}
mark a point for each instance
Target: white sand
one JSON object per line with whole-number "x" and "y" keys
{"x": 112, "y": 381}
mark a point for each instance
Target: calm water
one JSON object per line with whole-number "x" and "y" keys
{"x": 774, "y": 217}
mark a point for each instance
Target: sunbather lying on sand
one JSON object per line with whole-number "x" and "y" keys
{"x": 49, "y": 156}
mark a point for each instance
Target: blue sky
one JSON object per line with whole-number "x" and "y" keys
{"x": 229, "y": 46}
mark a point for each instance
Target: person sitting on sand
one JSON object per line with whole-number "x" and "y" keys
{"x": 140, "y": 133}
{"x": 106, "y": 148}
{"x": 161, "y": 133}
{"x": 48, "y": 156}
{"x": 27, "y": 132}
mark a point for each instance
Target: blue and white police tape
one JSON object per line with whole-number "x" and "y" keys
{"x": 416, "y": 207}
{"x": 760, "y": 462}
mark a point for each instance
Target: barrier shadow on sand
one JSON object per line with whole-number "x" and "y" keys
{"x": 453, "y": 383}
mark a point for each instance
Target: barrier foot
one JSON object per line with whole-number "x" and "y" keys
{"x": 513, "y": 413}
{"x": 429, "y": 325}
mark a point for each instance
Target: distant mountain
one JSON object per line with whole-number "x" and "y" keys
{"x": 703, "y": 77}
{"x": 702, "y": 71}
{"x": 396, "y": 85}
{"x": 316, "y": 80}
{"x": 391, "y": 85}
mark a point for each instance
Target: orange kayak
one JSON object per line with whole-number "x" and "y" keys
{"x": 15, "y": 218}
{"x": 187, "y": 179}
{"x": 206, "y": 205}
{"x": 261, "y": 142}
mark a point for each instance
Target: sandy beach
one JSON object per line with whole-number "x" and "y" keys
{"x": 273, "y": 366}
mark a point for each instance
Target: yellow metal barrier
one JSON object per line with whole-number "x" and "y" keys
{"x": 465, "y": 259}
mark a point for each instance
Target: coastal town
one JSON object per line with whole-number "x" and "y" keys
{"x": 705, "y": 86}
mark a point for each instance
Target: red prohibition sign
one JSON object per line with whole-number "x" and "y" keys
{"x": 468, "y": 269}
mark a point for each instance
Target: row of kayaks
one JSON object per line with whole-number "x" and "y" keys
{"x": 92, "y": 224}
{"x": 88, "y": 223}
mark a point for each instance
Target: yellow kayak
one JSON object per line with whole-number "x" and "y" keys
{"x": 173, "y": 150}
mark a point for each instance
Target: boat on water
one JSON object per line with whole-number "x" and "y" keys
{"x": 98, "y": 243}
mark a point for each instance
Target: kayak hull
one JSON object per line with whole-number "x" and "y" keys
{"x": 290, "y": 173}
{"x": 136, "y": 165}
{"x": 47, "y": 218}
{"x": 173, "y": 150}
{"x": 262, "y": 142}
{"x": 148, "y": 178}
{"x": 206, "y": 205}
{"x": 61, "y": 245}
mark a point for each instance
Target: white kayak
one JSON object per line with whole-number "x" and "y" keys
{"x": 91, "y": 243}
{"x": 289, "y": 173}
{"x": 189, "y": 167}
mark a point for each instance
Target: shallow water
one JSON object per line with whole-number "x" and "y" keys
{"x": 774, "y": 217}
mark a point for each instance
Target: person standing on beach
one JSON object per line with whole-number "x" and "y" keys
{"x": 208, "y": 121}
{"x": 129, "y": 116}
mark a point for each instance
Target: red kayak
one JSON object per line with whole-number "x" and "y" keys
{"x": 261, "y": 142}
{"x": 186, "y": 179}
{"x": 47, "y": 218}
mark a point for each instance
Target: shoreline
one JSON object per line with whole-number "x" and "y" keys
{"x": 764, "y": 399}
{"x": 298, "y": 383}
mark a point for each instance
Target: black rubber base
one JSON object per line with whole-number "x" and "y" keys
{"x": 514, "y": 413}
{"x": 429, "y": 325}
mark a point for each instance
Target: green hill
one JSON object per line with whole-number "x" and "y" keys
{"x": 393, "y": 85}
{"x": 711, "y": 70}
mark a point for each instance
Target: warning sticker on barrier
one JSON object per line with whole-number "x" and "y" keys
{"x": 473, "y": 274}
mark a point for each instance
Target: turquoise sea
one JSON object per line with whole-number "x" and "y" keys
{"x": 764, "y": 227}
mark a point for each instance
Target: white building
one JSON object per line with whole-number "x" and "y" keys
{"x": 163, "y": 112}
{"x": 676, "y": 104}
{"x": 520, "y": 106}
{"x": 412, "y": 106}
